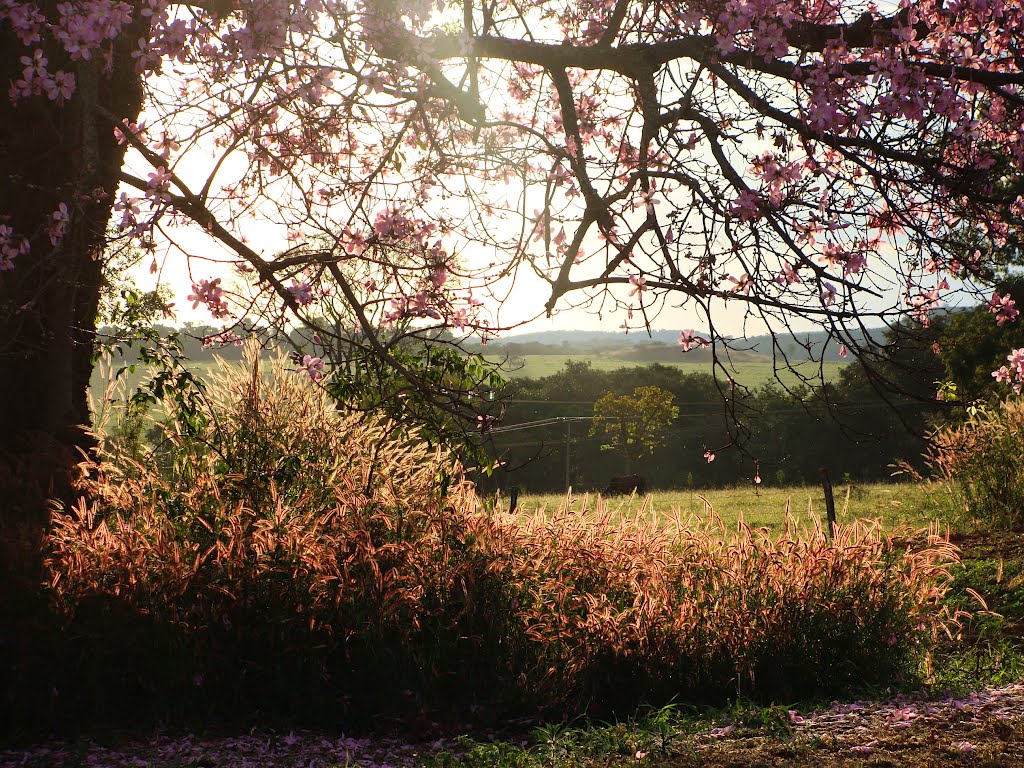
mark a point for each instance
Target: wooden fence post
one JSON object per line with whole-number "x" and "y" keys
{"x": 830, "y": 504}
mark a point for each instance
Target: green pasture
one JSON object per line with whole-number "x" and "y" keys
{"x": 892, "y": 504}
{"x": 749, "y": 373}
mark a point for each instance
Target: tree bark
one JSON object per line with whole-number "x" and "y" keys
{"x": 52, "y": 154}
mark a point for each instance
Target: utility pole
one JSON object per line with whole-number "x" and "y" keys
{"x": 568, "y": 420}
{"x": 568, "y": 437}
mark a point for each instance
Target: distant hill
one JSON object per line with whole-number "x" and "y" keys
{"x": 661, "y": 345}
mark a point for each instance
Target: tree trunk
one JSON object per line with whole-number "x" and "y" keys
{"x": 51, "y": 154}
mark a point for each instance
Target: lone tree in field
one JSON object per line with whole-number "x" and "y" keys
{"x": 373, "y": 170}
{"x": 634, "y": 425}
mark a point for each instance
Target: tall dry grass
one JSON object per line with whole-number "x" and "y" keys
{"x": 289, "y": 557}
{"x": 980, "y": 465}
{"x": 625, "y": 611}
{"x": 293, "y": 561}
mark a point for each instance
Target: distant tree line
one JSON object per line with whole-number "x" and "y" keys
{"x": 783, "y": 437}
{"x": 857, "y": 427}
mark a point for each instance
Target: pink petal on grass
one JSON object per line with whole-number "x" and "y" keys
{"x": 864, "y": 749}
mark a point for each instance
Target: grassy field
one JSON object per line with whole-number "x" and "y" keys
{"x": 749, "y": 373}
{"x": 893, "y": 504}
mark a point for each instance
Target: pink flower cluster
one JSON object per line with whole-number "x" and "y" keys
{"x": 128, "y": 207}
{"x": 159, "y": 184}
{"x": 85, "y": 26}
{"x": 788, "y": 276}
{"x": 302, "y": 292}
{"x": 1004, "y": 308}
{"x": 776, "y": 176}
{"x": 1012, "y": 374}
{"x": 757, "y": 24}
{"x": 314, "y": 366}
{"x": 852, "y": 261}
{"x": 60, "y": 220}
{"x": 36, "y": 79}
{"x": 392, "y": 223}
{"x": 923, "y": 302}
{"x": 748, "y": 206}
{"x": 82, "y": 30}
{"x": 419, "y": 305}
{"x": 210, "y": 293}
{"x": 11, "y": 246}
{"x": 689, "y": 339}
{"x": 222, "y": 339}
{"x": 25, "y": 19}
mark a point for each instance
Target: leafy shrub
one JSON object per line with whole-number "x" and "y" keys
{"x": 980, "y": 464}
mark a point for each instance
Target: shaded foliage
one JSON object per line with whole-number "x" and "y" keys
{"x": 788, "y": 434}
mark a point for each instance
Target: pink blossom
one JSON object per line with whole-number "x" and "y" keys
{"x": 129, "y": 208}
{"x": 1004, "y": 308}
{"x": 1002, "y": 374}
{"x": 355, "y": 241}
{"x": 689, "y": 339}
{"x": 301, "y": 291}
{"x": 787, "y": 276}
{"x": 747, "y": 206}
{"x": 210, "y": 293}
{"x": 314, "y": 366}
{"x": 165, "y": 145}
{"x": 11, "y": 246}
{"x": 709, "y": 456}
{"x": 159, "y": 184}
{"x": 864, "y": 749}
{"x": 438, "y": 276}
{"x": 1014, "y": 373}
{"x": 648, "y": 199}
{"x": 60, "y": 220}
{"x": 855, "y": 263}
{"x": 639, "y": 284}
{"x": 399, "y": 308}
{"x": 25, "y": 19}
{"x": 742, "y": 284}
{"x": 137, "y": 130}
{"x": 222, "y": 339}
{"x": 60, "y": 86}
{"x": 828, "y": 294}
